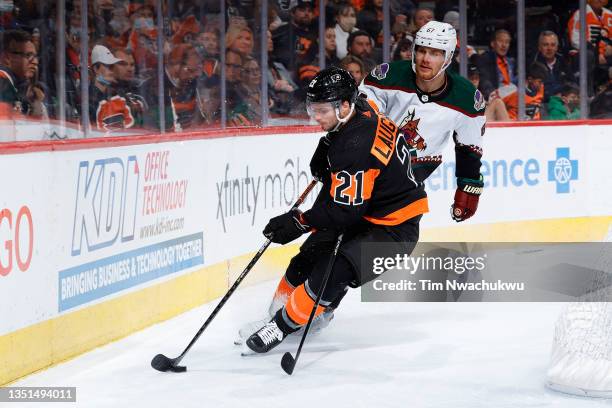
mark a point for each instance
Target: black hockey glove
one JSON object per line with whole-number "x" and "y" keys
{"x": 286, "y": 227}
{"x": 319, "y": 164}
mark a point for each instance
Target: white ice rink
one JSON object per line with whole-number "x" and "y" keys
{"x": 372, "y": 355}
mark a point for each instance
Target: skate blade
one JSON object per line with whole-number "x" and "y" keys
{"x": 245, "y": 351}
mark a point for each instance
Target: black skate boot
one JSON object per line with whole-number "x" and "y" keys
{"x": 266, "y": 338}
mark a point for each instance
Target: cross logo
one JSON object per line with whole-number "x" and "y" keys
{"x": 562, "y": 170}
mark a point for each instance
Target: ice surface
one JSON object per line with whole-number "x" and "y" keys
{"x": 372, "y": 355}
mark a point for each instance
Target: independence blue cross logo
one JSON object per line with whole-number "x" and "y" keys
{"x": 563, "y": 170}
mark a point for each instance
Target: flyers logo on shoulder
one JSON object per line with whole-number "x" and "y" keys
{"x": 105, "y": 203}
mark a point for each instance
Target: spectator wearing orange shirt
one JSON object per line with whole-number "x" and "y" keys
{"x": 496, "y": 68}
{"x": 534, "y": 94}
{"x": 108, "y": 111}
{"x": 599, "y": 28}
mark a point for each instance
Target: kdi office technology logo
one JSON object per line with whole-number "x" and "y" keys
{"x": 106, "y": 203}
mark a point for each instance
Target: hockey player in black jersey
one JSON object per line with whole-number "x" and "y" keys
{"x": 369, "y": 192}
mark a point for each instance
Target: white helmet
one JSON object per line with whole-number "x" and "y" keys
{"x": 438, "y": 35}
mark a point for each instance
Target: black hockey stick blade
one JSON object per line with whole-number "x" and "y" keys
{"x": 288, "y": 363}
{"x": 165, "y": 364}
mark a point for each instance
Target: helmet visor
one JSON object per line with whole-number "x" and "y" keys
{"x": 319, "y": 109}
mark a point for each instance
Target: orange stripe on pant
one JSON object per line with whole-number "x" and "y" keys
{"x": 300, "y": 305}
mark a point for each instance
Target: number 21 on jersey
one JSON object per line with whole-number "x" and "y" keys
{"x": 353, "y": 189}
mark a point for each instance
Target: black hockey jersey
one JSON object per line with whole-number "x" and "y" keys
{"x": 371, "y": 175}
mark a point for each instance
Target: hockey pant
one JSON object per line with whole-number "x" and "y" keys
{"x": 303, "y": 279}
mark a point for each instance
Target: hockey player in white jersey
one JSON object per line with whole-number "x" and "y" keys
{"x": 431, "y": 105}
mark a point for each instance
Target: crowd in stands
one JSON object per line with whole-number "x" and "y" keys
{"x": 123, "y": 54}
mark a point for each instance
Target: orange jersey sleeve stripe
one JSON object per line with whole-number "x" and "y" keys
{"x": 373, "y": 105}
{"x": 368, "y": 182}
{"x": 413, "y": 209}
{"x": 300, "y": 305}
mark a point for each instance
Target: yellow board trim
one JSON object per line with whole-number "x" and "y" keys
{"x": 54, "y": 341}
{"x": 583, "y": 229}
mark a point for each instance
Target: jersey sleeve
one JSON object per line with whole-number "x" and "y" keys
{"x": 468, "y": 137}
{"x": 371, "y": 87}
{"x": 345, "y": 200}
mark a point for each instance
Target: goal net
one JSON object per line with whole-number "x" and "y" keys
{"x": 581, "y": 359}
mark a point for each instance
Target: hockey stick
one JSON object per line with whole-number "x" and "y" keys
{"x": 163, "y": 363}
{"x": 288, "y": 362}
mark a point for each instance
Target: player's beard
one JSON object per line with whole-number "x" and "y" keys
{"x": 426, "y": 74}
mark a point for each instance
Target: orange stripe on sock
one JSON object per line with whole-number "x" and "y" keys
{"x": 283, "y": 290}
{"x": 300, "y": 305}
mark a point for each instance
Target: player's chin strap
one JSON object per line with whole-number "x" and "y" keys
{"x": 446, "y": 65}
{"x": 342, "y": 121}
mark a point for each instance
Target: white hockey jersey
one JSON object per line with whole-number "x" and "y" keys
{"x": 428, "y": 122}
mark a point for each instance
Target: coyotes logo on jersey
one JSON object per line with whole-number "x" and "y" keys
{"x": 409, "y": 126}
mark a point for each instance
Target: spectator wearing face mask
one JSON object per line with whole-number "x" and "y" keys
{"x": 143, "y": 38}
{"x": 108, "y": 111}
{"x": 142, "y": 17}
{"x": 346, "y": 20}
{"x": 112, "y": 25}
{"x": 565, "y": 105}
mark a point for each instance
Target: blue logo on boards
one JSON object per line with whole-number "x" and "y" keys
{"x": 562, "y": 170}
